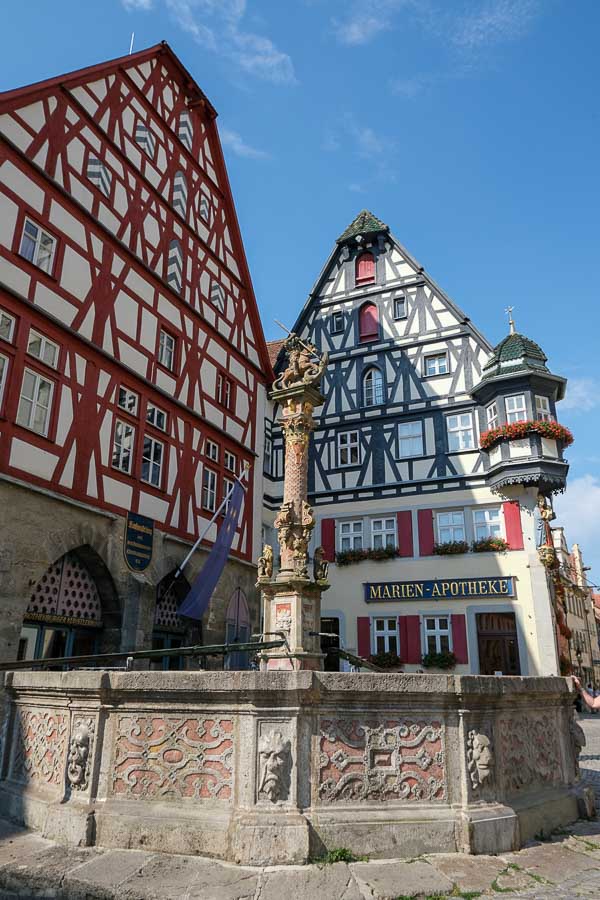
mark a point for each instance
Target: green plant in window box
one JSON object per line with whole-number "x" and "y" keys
{"x": 386, "y": 660}
{"x": 347, "y": 557}
{"x": 490, "y": 545}
{"x": 444, "y": 660}
{"x": 450, "y": 548}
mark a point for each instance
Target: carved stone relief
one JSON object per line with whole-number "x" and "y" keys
{"x": 529, "y": 751}
{"x": 283, "y": 616}
{"x": 173, "y": 758}
{"x": 80, "y": 752}
{"x": 274, "y": 766}
{"x": 40, "y": 747}
{"x": 381, "y": 760}
{"x": 480, "y": 759}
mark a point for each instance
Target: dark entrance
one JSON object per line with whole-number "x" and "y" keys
{"x": 330, "y": 626}
{"x": 498, "y": 645}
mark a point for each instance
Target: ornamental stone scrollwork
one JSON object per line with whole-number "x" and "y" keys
{"x": 40, "y": 747}
{"x": 80, "y": 753}
{"x": 385, "y": 761}
{"x": 305, "y": 365}
{"x": 265, "y": 562}
{"x": 577, "y": 742}
{"x": 275, "y": 764}
{"x": 480, "y": 758}
{"x": 173, "y": 758}
{"x": 529, "y": 751}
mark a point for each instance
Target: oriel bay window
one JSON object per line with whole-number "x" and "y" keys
{"x": 385, "y": 636}
{"x": 516, "y": 410}
{"x": 450, "y": 526}
{"x": 35, "y": 402}
{"x": 492, "y": 415}
{"x": 542, "y": 409}
{"x": 487, "y": 523}
{"x": 383, "y": 532}
{"x": 437, "y": 634}
{"x": 152, "y": 461}
{"x": 348, "y": 448}
{"x": 123, "y": 441}
{"x": 351, "y": 536}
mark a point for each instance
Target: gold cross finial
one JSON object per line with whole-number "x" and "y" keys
{"x": 511, "y": 323}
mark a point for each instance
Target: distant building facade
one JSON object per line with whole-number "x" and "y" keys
{"x": 429, "y": 512}
{"x": 577, "y": 598}
{"x": 132, "y": 361}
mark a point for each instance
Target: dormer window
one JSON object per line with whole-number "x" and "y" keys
{"x": 365, "y": 269}
{"x": 368, "y": 323}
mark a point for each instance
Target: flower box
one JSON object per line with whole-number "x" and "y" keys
{"x": 389, "y": 661}
{"x": 519, "y": 430}
{"x": 490, "y": 545}
{"x": 347, "y": 557}
{"x": 450, "y": 548}
{"x": 445, "y": 660}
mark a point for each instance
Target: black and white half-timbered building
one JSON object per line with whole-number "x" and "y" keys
{"x": 431, "y": 456}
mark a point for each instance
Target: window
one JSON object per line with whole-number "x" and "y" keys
{"x": 368, "y": 323}
{"x": 43, "y": 349}
{"x": 372, "y": 387}
{"x": 487, "y": 523}
{"x": 399, "y": 307}
{"x": 492, "y": 415}
{"x": 411, "y": 438}
{"x": 542, "y": 409}
{"x": 128, "y": 400}
{"x": 212, "y": 451}
{"x": 451, "y": 526}
{"x": 225, "y": 391}
{"x": 385, "y": 634}
{"x": 460, "y": 432}
{"x": 3, "y": 374}
{"x": 145, "y": 139}
{"x": 348, "y": 449}
{"x": 227, "y": 487}
{"x": 156, "y": 416}
{"x": 336, "y": 322}
{"x": 122, "y": 455}
{"x": 37, "y": 246}
{"x": 365, "y": 268}
{"x": 204, "y": 209}
{"x": 516, "y": 411}
{"x": 152, "y": 461}
{"x": 437, "y": 634}
{"x": 184, "y": 129}
{"x": 35, "y": 401}
{"x": 166, "y": 350}
{"x": 217, "y": 296}
{"x": 384, "y": 533}
{"x": 99, "y": 174}
{"x": 209, "y": 490}
{"x": 268, "y": 461}
{"x": 351, "y": 535}
{"x": 230, "y": 461}
{"x": 175, "y": 266}
{"x": 180, "y": 194}
{"x": 7, "y": 327}
{"x": 436, "y": 364}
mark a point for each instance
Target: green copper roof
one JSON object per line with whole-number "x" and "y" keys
{"x": 516, "y": 353}
{"x": 364, "y": 223}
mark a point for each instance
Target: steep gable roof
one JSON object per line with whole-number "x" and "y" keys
{"x": 364, "y": 223}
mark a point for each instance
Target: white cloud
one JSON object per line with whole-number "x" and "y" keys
{"x": 582, "y": 394}
{"x": 494, "y": 21}
{"x": 237, "y": 145}
{"x": 578, "y": 510}
{"x": 410, "y": 87}
{"x": 137, "y": 4}
{"x": 360, "y": 26}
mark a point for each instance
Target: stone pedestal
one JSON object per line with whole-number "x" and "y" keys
{"x": 293, "y": 608}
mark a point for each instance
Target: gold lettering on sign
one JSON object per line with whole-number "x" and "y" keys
{"x": 436, "y": 590}
{"x": 386, "y": 591}
{"x": 483, "y": 588}
{"x": 396, "y": 590}
{"x": 445, "y": 587}
{"x": 375, "y": 592}
{"x": 410, "y": 591}
{"x": 419, "y": 589}
{"x": 504, "y": 586}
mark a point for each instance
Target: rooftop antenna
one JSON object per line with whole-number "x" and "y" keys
{"x": 511, "y": 321}
{"x": 131, "y": 43}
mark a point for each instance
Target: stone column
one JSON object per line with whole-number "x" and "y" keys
{"x": 291, "y": 597}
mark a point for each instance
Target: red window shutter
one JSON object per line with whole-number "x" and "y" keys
{"x": 512, "y": 524}
{"x": 365, "y": 268}
{"x": 405, "y": 533}
{"x": 410, "y": 639}
{"x": 368, "y": 322}
{"x": 459, "y": 638}
{"x": 426, "y": 537}
{"x": 363, "y": 631}
{"x": 328, "y": 538}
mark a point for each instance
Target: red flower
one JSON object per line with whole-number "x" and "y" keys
{"x": 517, "y": 430}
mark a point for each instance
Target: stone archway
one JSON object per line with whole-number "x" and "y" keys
{"x": 170, "y": 631}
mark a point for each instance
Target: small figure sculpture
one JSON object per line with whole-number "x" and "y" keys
{"x": 302, "y": 367}
{"x": 265, "y": 562}
{"x": 79, "y": 750}
{"x": 480, "y": 759}
{"x": 300, "y": 547}
{"x": 320, "y": 565}
{"x": 544, "y": 515}
{"x": 275, "y": 764}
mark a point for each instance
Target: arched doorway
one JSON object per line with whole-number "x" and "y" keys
{"x": 237, "y": 630}
{"x": 170, "y": 631}
{"x": 72, "y": 610}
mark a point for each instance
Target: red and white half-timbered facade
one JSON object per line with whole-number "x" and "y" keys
{"x": 132, "y": 360}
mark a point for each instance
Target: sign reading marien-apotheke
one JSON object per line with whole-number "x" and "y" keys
{"x": 453, "y": 589}
{"x": 139, "y": 537}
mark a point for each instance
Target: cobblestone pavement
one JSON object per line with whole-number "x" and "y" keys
{"x": 567, "y": 867}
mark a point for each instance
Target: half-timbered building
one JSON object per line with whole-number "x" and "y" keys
{"x": 427, "y": 506}
{"x": 132, "y": 360}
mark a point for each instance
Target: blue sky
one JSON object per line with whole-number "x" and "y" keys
{"x": 470, "y": 126}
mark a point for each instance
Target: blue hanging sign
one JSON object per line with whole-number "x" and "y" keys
{"x": 139, "y": 537}
{"x": 452, "y": 589}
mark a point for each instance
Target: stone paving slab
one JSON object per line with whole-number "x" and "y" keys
{"x": 335, "y": 882}
{"x": 552, "y": 862}
{"x": 107, "y": 870}
{"x": 217, "y": 881}
{"x": 471, "y": 873}
{"x": 398, "y": 878}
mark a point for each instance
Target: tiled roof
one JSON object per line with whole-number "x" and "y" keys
{"x": 364, "y": 223}
{"x": 516, "y": 353}
{"x": 273, "y": 348}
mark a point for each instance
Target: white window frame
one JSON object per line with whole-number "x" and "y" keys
{"x": 45, "y": 346}
{"x": 145, "y": 138}
{"x": 212, "y": 450}
{"x": 383, "y": 527}
{"x": 515, "y": 412}
{"x": 6, "y": 317}
{"x": 155, "y": 467}
{"x": 542, "y": 408}
{"x": 180, "y": 193}
{"x": 440, "y": 361}
{"x": 217, "y": 296}
{"x": 347, "y": 442}
{"x": 404, "y": 314}
{"x": 389, "y": 630}
{"x": 492, "y": 415}
{"x": 129, "y": 395}
{"x": 228, "y": 483}
{"x": 492, "y": 517}
{"x": 37, "y": 242}
{"x": 34, "y": 400}
{"x": 3, "y": 375}
{"x": 224, "y": 391}
{"x": 166, "y": 349}
{"x": 175, "y": 266}
{"x": 119, "y": 450}
{"x": 456, "y": 431}
{"x": 407, "y": 447}
{"x": 337, "y": 322}
{"x": 99, "y": 174}
{"x": 447, "y": 531}
{"x": 230, "y": 461}
{"x": 153, "y": 414}
{"x": 353, "y": 535}
{"x": 204, "y": 208}
{"x": 437, "y": 632}
{"x": 209, "y": 489}
{"x": 373, "y": 388}
{"x": 268, "y": 455}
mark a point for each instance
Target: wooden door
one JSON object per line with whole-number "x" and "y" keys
{"x": 498, "y": 644}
